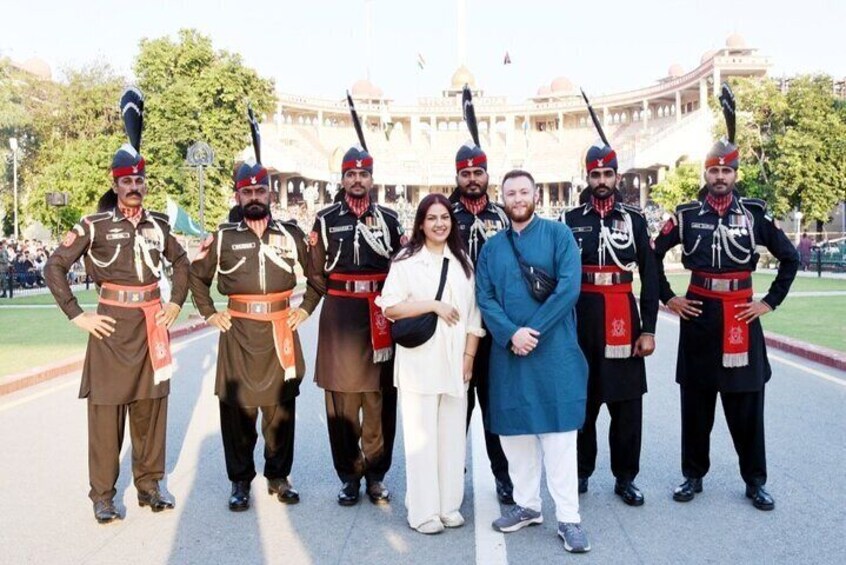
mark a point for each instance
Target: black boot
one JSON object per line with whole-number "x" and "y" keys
{"x": 378, "y": 492}
{"x": 283, "y": 490}
{"x": 687, "y": 490}
{"x": 583, "y": 484}
{"x": 505, "y": 491}
{"x": 155, "y": 499}
{"x": 239, "y": 500}
{"x": 761, "y": 499}
{"x": 629, "y": 492}
{"x": 105, "y": 511}
{"x": 348, "y": 495}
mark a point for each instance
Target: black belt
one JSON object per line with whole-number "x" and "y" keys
{"x": 720, "y": 285}
{"x": 363, "y": 287}
{"x": 607, "y": 279}
{"x": 130, "y": 296}
{"x": 259, "y": 306}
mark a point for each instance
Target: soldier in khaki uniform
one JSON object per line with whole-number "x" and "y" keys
{"x": 260, "y": 363}
{"x": 128, "y": 363}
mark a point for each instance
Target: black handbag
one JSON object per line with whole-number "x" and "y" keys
{"x": 417, "y": 330}
{"x": 541, "y": 284}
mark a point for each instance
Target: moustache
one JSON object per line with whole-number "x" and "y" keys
{"x": 134, "y": 193}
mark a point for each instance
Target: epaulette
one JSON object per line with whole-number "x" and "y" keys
{"x": 687, "y": 206}
{"x": 630, "y": 208}
{"x": 91, "y": 218}
{"x": 754, "y": 202}
{"x": 228, "y": 225}
{"x": 291, "y": 223}
{"x": 159, "y": 216}
{"x": 388, "y": 211}
{"x": 329, "y": 209}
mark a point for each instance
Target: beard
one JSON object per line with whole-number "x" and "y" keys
{"x": 521, "y": 216}
{"x": 359, "y": 187}
{"x": 255, "y": 211}
{"x": 595, "y": 192}
{"x": 720, "y": 189}
{"x": 478, "y": 191}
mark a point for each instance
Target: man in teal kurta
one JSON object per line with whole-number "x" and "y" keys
{"x": 538, "y": 374}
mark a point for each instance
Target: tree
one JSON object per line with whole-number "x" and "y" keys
{"x": 678, "y": 187}
{"x": 192, "y": 93}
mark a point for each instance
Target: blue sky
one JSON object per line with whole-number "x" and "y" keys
{"x": 318, "y": 47}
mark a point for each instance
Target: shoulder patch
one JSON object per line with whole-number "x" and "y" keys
{"x": 227, "y": 226}
{"x": 389, "y": 211}
{"x": 159, "y": 215}
{"x": 754, "y": 202}
{"x": 312, "y": 239}
{"x": 669, "y": 225}
{"x": 630, "y": 208}
{"x": 90, "y": 219}
{"x": 69, "y": 238}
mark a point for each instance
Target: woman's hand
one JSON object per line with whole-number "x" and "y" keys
{"x": 467, "y": 367}
{"x": 447, "y": 313}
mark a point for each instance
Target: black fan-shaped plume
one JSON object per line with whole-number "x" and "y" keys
{"x": 470, "y": 115}
{"x": 132, "y": 111}
{"x": 596, "y": 122}
{"x": 729, "y": 105}
{"x": 356, "y": 122}
{"x": 254, "y": 131}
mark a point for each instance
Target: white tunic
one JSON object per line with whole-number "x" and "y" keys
{"x": 435, "y": 367}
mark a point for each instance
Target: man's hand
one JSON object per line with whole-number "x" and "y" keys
{"x": 95, "y": 324}
{"x": 467, "y": 368}
{"x": 644, "y": 346}
{"x": 447, "y": 313}
{"x": 685, "y": 308}
{"x": 751, "y": 311}
{"x": 296, "y": 316}
{"x": 220, "y": 320}
{"x": 167, "y": 315}
{"x": 524, "y": 341}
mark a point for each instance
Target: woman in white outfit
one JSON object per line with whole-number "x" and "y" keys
{"x": 432, "y": 378}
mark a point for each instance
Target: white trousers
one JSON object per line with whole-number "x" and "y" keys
{"x": 435, "y": 446}
{"x": 557, "y": 453}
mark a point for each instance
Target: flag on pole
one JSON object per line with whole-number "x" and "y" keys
{"x": 421, "y": 62}
{"x": 180, "y": 221}
{"x": 507, "y": 59}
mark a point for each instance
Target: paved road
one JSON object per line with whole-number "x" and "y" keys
{"x": 45, "y": 516}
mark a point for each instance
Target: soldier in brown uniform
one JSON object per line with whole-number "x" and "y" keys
{"x": 127, "y": 364}
{"x": 351, "y": 244}
{"x": 260, "y": 363}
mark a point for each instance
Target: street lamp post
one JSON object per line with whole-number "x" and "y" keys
{"x": 13, "y": 144}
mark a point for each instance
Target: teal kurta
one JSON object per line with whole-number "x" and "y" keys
{"x": 545, "y": 391}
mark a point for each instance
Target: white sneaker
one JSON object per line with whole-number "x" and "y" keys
{"x": 433, "y": 526}
{"x": 453, "y": 520}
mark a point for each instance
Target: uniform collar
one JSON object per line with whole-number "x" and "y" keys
{"x": 345, "y": 208}
{"x": 588, "y": 207}
{"x": 733, "y": 208}
{"x": 118, "y": 216}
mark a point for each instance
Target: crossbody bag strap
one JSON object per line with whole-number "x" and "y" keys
{"x": 517, "y": 254}
{"x": 443, "y": 278}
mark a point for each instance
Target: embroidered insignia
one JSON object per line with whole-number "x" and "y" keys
{"x": 70, "y": 237}
{"x": 736, "y": 335}
{"x": 161, "y": 351}
{"x": 381, "y": 322}
{"x": 312, "y": 239}
{"x": 240, "y": 246}
{"x": 287, "y": 347}
{"x": 469, "y": 162}
{"x": 252, "y": 180}
{"x": 135, "y": 169}
{"x": 668, "y": 227}
{"x": 618, "y": 328}
{"x": 358, "y": 164}
{"x": 600, "y": 163}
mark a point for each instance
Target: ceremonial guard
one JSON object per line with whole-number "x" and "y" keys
{"x": 260, "y": 362}
{"x": 478, "y": 219}
{"x": 613, "y": 241}
{"x": 128, "y": 361}
{"x": 351, "y": 246}
{"x": 721, "y": 343}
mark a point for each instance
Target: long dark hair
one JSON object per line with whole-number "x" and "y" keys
{"x": 418, "y": 239}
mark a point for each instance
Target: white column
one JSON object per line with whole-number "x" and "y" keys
{"x": 678, "y": 106}
{"x": 645, "y": 119}
{"x": 703, "y": 94}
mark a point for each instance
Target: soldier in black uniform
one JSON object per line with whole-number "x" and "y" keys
{"x": 351, "y": 246}
{"x": 479, "y": 219}
{"x": 721, "y": 343}
{"x": 128, "y": 361}
{"x": 614, "y": 242}
{"x": 260, "y": 362}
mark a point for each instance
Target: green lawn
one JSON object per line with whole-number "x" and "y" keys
{"x": 762, "y": 281}
{"x": 821, "y": 321}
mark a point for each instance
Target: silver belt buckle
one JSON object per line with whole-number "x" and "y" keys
{"x": 361, "y": 286}
{"x": 259, "y": 307}
{"x": 603, "y": 279}
{"x": 721, "y": 285}
{"x": 135, "y": 296}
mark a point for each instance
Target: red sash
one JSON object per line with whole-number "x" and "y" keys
{"x": 283, "y": 336}
{"x": 158, "y": 338}
{"x": 735, "y": 332}
{"x": 380, "y": 327}
{"x": 618, "y": 316}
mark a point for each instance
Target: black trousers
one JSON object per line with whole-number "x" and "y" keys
{"x": 624, "y": 438}
{"x": 147, "y": 429}
{"x": 362, "y": 427}
{"x": 238, "y": 428}
{"x": 745, "y": 418}
{"x": 479, "y": 385}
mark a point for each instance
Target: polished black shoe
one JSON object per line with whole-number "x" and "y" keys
{"x": 105, "y": 511}
{"x": 239, "y": 500}
{"x": 348, "y": 495}
{"x": 686, "y": 491}
{"x": 629, "y": 492}
{"x": 505, "y": 491}
{"x": 583, "y": 485}
{"x": 761, "y": 499}
{"x": 283, "y": 490}
{"x": 155, "y": 500}
{"x": 378, "y": 492}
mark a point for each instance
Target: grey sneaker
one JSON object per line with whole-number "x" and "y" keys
{"x": 575, "y": 540}
{"x": 515, "y": 518}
